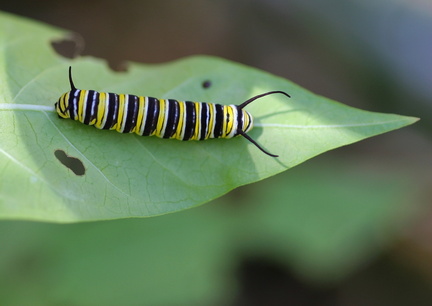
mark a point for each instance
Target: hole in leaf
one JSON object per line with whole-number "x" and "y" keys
{"x": 118, "y": 66}
{"x": 206, "y": 84}
{"x": 69, "y": 47}
{"x": 72, "y": 46}
{"x": 72, "y": 163}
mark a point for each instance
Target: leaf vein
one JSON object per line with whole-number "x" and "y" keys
{"x": 321, "y": 126}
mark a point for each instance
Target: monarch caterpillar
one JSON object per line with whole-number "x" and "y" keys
{"x": 164, "y": 118}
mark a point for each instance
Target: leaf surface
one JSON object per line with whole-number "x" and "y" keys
{"x": 132, "y": 176}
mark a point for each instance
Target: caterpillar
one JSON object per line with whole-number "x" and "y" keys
{"x": 164, "y": 118}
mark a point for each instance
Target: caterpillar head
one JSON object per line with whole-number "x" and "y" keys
{"x": 246, "y": 122}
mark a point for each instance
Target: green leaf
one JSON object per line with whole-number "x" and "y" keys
{"x": 132, "y": 176}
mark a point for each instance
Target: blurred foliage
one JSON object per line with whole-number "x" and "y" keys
{"x": 322, "y": 225}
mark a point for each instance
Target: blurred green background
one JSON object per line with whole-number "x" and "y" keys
{"x": 351, "y": 227}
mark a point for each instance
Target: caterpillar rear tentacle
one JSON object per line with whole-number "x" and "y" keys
{"x": 164, "y": 118}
